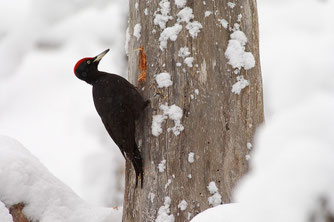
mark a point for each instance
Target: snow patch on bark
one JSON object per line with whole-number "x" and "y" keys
{"x": 216, "y": 198}
{"x": 168, "y": 183}
{"x": 162, "y": 166}
{"x": 184, "y": 52}
{"x": 163, "y": 80}
{"x": 207, "y": 13}
{"x": 191, "y": 156}
{"x": 185, "y": 15}
{"x": 180, "y": 3}
{"x": 151, "y": 196}
{"x": 172, "y": 112}
{"x": 194, "y": 28}
{"x": 231, "y": 4}
{"x": 164, "y": 212}
{"x": 239, "y": 85}
{"x": 189, "y": 61}
{"x": 161, "y": 16}
{"x": 235, "y": 52}
{"x": 156, "y": 124}
{"x": 224, "y": 23}
{"x": 170, "y": 33}
{"x": 136, "y": 31}
{"x": 182, "y": 205}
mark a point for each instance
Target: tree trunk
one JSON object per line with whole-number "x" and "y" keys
{"x": 219, "y": 124}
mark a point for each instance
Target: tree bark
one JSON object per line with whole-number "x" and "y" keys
{"x": 218, "y": 124}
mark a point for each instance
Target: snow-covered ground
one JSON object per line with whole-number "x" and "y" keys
{"x": 47, "y": 109}
{"x": 25, "y": 180}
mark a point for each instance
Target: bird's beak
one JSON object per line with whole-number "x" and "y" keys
{"x": 100, "y": 56}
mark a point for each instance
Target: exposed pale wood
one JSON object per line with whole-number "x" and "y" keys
{"x": 218, "y": 123}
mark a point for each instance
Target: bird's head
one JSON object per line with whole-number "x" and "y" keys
{"x": 85, "y": 68}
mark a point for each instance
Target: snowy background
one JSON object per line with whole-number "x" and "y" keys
{"x": 45, "y": 107}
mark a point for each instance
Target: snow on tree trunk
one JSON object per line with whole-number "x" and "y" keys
{"x": 197, "y": 132}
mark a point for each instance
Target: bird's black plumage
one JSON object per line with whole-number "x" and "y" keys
{"x": 119, "y": 105}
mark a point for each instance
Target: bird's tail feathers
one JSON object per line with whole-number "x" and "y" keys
{"x": 137, "y": 163}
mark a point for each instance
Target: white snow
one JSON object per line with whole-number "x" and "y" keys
{"x": 292, "y": 163}
{"x": 235, "y": 52}
{"x": 185, "y": 15}
{"x": 164, "y": 214}
{"x": 224, "y": 212}
{"x": 207, "y": 13}
{"x": 178, "y": 64}
{"x": 216, "y": 198}
{"x": 162, "y": 18}
{"x": 239, "y": 85}
{"x": 231, "y": 4}
{"x": 196, "y": 91}
{"x": 184, "y": 52}
{"x": 249, "y": 146}
{"x": 174, "y": 113}
{"x": 156, "y": 124}
{"x": 248, "y": 157}
{"x": 189, "y": 61}
{"x": 136, "y": 31}
{"x": 191, "y": 157}
{"x": 212, "y": 188}
{"x": 23, "y": 179}
{"x": 224, "y": 23}
{"x": 189, "y": 176}
{"x": 240, "y": 36}
{"x": 182, "y": 205}
{"x": 136, "y": 5}
{"x": 55, "y": 116}
{"x": 5, "y": 216}
{"x": 194, "y": 28}
{"x": 146, "y": 11}
{"x": 180, "y": 3}
{"x": 151, "y": 196}
{"x": 169, "y": 33}
{"x": 307, "y": 75}
{"x": 236, "y": 27}
{"x": 168, "y": 183}
{"x": 239, "y": 17}
{"x": 162, "y": 166}
{"x": 163, "y": 80}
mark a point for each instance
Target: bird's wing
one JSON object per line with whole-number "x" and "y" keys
{"x": 120, "y": 125}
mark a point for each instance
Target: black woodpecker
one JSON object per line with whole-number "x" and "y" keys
{"x": 119, "y": 105}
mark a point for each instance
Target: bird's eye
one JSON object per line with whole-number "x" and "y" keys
{"x": 88, "y": 62}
